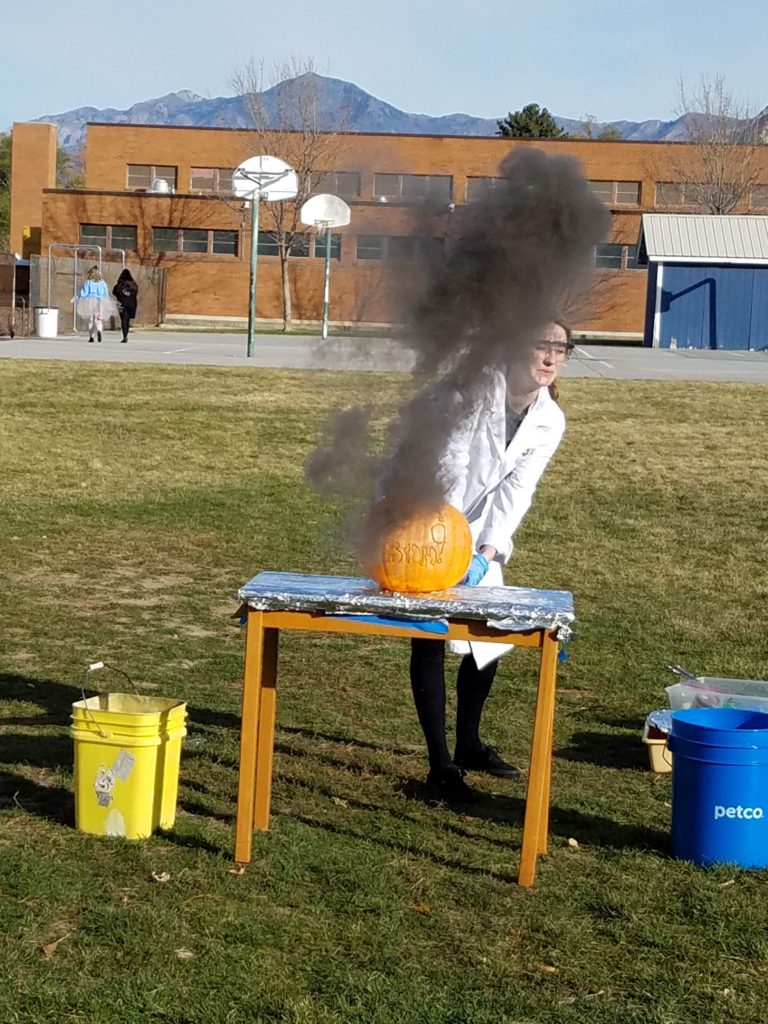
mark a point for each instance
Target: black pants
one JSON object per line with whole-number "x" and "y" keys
{"x": 428, "y": 684}
{"x": 125, "y": 321}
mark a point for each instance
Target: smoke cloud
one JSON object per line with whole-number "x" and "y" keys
{"x": 513, "y": 260}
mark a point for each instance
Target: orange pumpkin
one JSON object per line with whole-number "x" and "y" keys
{"x": 428, "y": 551}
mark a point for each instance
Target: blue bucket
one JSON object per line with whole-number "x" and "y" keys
{"x": 720, "y": 786}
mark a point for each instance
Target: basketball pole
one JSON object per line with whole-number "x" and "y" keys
{"x": 327, "y": 285}
{"x": 255, "y": 201}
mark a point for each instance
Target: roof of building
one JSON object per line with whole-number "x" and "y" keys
{"x": 702, "y": 238}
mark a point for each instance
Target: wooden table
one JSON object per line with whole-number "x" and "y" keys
{"x": 334, "y": 604}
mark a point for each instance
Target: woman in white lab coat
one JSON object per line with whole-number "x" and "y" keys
{"x": 490, "y": 468}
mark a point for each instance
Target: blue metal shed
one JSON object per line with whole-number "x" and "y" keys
{"x": 707, "y": 281}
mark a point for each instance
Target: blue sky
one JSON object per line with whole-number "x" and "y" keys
{"x": 611, "y": 59}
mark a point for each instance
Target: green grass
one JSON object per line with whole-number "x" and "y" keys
{"x": 136, "y": 500}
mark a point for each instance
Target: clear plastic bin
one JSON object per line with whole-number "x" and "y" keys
{"x": 713, "y": 692}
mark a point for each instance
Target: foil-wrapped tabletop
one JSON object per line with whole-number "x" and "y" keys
{"x": 513, "y": 609}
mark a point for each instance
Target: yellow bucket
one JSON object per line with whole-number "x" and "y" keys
{"x": 127, "y": 755}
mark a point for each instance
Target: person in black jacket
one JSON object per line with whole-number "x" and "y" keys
{"x": 126, "y": 291}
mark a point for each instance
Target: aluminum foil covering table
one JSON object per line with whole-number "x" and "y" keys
{"x": 514, "y": 609}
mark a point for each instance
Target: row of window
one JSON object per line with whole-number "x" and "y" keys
{"x": 204, "y": 241}
{"x": 436, "y": 188}
{"x": 627, "y": 193}
{"x": 386, "y": 248}
{"x": 675, "y": 193}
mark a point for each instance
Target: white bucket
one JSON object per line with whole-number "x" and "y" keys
{"x": 46, "y": 322}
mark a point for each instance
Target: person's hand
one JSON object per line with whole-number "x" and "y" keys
{"x": 478, "y": 567}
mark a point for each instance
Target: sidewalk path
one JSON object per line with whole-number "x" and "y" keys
{"x": 375, "y": 354}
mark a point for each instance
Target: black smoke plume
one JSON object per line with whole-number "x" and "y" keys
{"x": 514, "y": 260}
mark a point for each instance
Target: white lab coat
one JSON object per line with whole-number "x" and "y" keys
{"x": 494, "y": 485}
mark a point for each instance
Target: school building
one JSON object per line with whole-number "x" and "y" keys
{"x": 402, "y": 190}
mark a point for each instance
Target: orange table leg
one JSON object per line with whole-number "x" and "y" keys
{"x": 535, "y": 824}
{"x": 265, "y": 743}
{"x": 549, "y": 735}
{"x": 249, "y": 726}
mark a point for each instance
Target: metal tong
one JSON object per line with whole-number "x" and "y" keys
{"x": 683, "y": 673}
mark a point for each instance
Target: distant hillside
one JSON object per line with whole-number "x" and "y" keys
{"x": 358, "y": 109}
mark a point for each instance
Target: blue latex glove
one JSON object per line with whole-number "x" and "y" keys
{"x": 478, "y": 567}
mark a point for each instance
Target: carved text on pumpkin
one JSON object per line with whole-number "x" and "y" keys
{"x": 419, "y": 554}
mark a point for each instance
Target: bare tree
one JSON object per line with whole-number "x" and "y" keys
{"x": 608, "y": 133}
{"x": 727, "y": 147}
{"x": 290, "y": 121}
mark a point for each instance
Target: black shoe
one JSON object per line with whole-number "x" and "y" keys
{"x": 487, "y": 760}
{"x": 90, "y": 341}
{"x": 448, "y": 784}
{"x": 123, "y": 341}
{"x": 98, "y": 335}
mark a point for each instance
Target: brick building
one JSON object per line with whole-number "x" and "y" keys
{"x": 401, "y": 189}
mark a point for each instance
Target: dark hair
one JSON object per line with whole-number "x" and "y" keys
{"x": 125, "y": 275}
{"x": 554, "y": 391}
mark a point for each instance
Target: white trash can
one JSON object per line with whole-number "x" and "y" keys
{"x": 46, "y": 322}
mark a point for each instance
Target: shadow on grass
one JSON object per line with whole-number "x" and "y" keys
{"x": 589, "y": 829}
{"x": 53, "y": 697}
{"x": 50, "y": 802}
{"x": 188, "y": 841}
{"x": 402, "y": 849}
{"x": 46, "y": 751}
{"x": 586, "y": 829}
{"x": 330, "y": 761}
{"x": 347, "y": 741}
{"x": 634, "y": 722}
{"x": 205, "y": 717}
{"x": 608, "y": 751}
{"x": 210, "y": 718}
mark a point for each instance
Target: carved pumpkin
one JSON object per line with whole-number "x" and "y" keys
{"x": 429, "y": 551}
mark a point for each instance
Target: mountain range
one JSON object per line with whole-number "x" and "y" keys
{"x": 362, "y": 112}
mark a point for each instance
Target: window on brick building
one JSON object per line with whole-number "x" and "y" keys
{"x": 166, "y": 240}
{"x": 418, "y": 187}
{"x": 608, "y": 256}
{"x": 337, "y": 183}
{"x": 123, "y": 236}
{"x": 224, "y": 243}
{"x": 140, "y": 176}
{"x": 679, "y": 193}
{"x": 267, "y": 244}
{"x": 669, "y": 193}
{"x": 397, "y": 248}
{"x": 195, "y": 241}
{"x": 320, "y": 246}
{"x": 369, "y": 247}
{"x": 758, "y": 197}
{"x": 109, "y": 236}
{"x": 615, "y": 256}
{"x": 478, "y": 187}
{"x": 618, "y": 193}
{"x": 210, "y": 179}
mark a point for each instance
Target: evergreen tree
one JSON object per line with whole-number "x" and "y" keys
{"x": 532, "y": 122}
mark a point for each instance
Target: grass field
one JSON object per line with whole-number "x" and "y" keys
{"x": 135, "y": 500}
